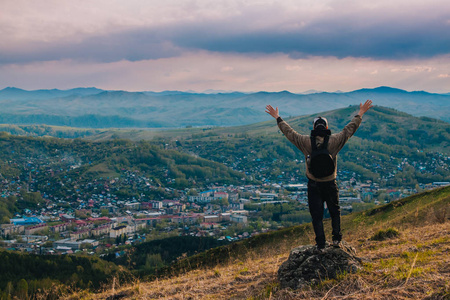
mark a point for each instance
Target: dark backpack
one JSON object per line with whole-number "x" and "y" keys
{"x": 321, "y": 162}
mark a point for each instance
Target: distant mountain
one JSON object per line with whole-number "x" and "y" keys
{"x": 13, "y": 93}
{"x": 311, "y": 92}
{"x": 179, "y": 109}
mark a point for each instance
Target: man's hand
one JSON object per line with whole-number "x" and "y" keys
{"x": 363, "y": 108}
{"x": 271, "y": 111}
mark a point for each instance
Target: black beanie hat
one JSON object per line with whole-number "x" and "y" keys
{"x": 320, "y": 123}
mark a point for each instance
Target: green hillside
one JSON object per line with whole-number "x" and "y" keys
{"x": 101, "y": 159}
{"x": 71, "y": 169}
{"x": 390, "y": 147}
{"x": 380, "y": 124}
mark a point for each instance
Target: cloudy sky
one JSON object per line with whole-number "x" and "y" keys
{"x": 241, "y": 45}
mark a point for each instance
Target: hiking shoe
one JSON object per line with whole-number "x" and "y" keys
{"x": 336, "y": 244}
{"x": 319, "y": 249}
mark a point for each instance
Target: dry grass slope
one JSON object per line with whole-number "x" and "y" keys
{"x": 413, "y": 265}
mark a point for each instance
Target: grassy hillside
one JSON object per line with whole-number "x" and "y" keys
{"x": 44, "y": 130}
{"x": 380, "y": 124}
{"x": 415, "y": 264}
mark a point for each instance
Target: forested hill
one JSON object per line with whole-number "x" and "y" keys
{"x": 390, "y": 146}
{"x": 62, "y": 167}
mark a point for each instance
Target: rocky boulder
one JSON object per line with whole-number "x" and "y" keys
{"x": 307, "y": 265}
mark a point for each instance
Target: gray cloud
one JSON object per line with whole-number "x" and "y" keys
{"x": 392, "y": 40}
{"x": 395, "y": 38}
{"x": 132, "y": 45}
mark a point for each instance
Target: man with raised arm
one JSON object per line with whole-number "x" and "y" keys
{"x": 321, "y": 174}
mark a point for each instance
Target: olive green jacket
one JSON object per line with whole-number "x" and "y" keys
{"x": 335, "y": 143}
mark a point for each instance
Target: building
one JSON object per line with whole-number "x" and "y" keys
{"x": 80, "y": 234}
{"x": 93, "y": 243}
{"x": 6, "y": 229}
{"x": 201, "y": 199}
{"x": 180, "y": 206}
{"x": 236, "y": 206}
{"x": 65, "y": 244}
{"x": 208, "y": 193}
{"x": 26, "y": 221}
{"x": 225, "y": 217}
{"x": 267, "y": 197}
{"x": 168, "y": 203}
{"x": 349, "y": 200}
{"x": 101, "y": 230}
{"x": 67, "y": 218}
{"x": 443, "y": 183}
{"x": 189, "y": 219}
{"x": 152, "y": 205}
{"x": 233, "y": 197}
{"x": 59, "y": 228}
{"x": 33, "y": 229}
{"x": 221, "y": 195}
{"x": 132, "y": 206}
{"x": 296, "y": 187}
{"x": 118, "y": 231}
{"x": 211, "y": 219}
{"x": 239, "y": 219}
{"x": 207, "y": 225}
{"x": 69, "y": 244}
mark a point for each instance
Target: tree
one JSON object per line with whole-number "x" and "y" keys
{"x": 48, "y": 244}
{"x": 86, "y": 246}
{"x": 4, "y": 220}
{"x": 153, "y": 261}
{"x": 22, "y": 289}
{"x": 192, "y": 192}
{"x": 382, "y": 197}
{"x": 9, "y": 289}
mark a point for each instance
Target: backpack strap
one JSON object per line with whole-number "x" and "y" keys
{"x": 314, "y": 145}
{"x": 325, "y": 142}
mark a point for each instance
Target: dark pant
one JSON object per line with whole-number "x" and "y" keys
{"x": 318, "y": 193}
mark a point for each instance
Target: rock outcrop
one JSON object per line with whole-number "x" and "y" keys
{"x": 307, "y": 265}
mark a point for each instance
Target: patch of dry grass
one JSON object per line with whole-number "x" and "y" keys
{"x": 415, "y": 265}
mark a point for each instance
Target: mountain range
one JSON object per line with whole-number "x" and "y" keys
{"x": 96, "y": 108}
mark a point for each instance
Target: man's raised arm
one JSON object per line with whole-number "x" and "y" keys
{"x": 363, "y": 108}
{"x": 273, "y": 112}
{"x": 297, "y": 139}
